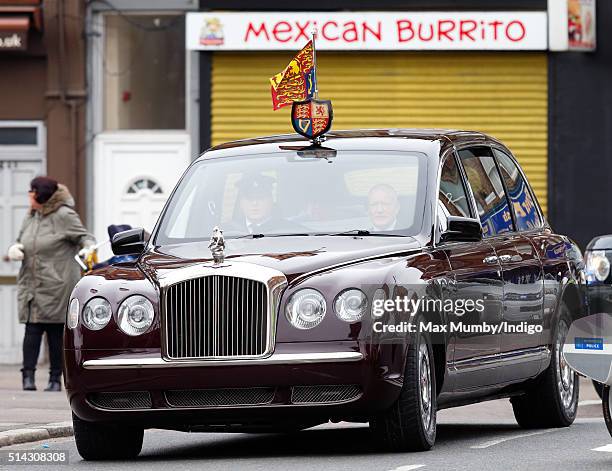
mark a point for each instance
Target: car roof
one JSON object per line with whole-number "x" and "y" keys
{"x": 346, "y": 140}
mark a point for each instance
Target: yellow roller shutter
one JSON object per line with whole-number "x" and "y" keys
{"x": 502, "y": 94}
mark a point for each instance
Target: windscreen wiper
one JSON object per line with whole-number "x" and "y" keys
{"x": 360, "y": 233}
{"x": 259, "y": 236}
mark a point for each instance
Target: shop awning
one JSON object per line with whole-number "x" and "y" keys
{"x": 14, "y": 32}
{"x": 16, "y": 19}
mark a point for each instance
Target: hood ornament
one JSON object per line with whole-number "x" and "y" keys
{"x": 217, "y": 245}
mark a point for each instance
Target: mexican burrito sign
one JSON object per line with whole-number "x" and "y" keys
{"x": 239, "y": 31}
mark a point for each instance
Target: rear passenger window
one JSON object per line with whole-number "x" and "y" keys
{"x": 489, "y": 194}
{"x": 452, "y": 192}
{"x": 521, "y": 198}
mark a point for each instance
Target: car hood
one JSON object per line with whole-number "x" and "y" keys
{"x": 293, "y": 255}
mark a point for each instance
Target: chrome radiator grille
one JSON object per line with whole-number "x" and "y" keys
{"x": 216, "y": 316}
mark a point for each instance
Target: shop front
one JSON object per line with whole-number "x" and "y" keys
{"x": 42, "y": 94}
{"x": 141, "y": 111}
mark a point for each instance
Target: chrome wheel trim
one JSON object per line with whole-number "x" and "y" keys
{"x": 566, "y": 377}
{"x": 425, "y": 387}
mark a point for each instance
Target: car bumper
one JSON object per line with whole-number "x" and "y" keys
{"x": 331, "y": 380}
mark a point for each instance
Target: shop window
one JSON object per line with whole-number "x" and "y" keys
{"x": 144, "y": 72}
{"x": 18, "y": 136}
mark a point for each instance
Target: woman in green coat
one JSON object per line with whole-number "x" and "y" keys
{"x": 51, "y": 235}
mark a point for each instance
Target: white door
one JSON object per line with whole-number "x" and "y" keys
{"x": 22, "y": 157}
{"x": 134, "y": 173}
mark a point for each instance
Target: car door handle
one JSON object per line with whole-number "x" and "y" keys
{"x": 505, "y": 258}
{"x": 490, "y": 260}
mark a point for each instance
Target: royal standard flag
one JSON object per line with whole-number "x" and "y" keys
{"x": 297, "y": 81}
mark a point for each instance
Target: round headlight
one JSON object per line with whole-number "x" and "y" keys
{"x": 97, "y": 313}
{"x": 136, "y": 315}
{"x": 73, "y": 313}
{"x": 351, "y": 305}
{"x": 306, "y": 308}
{"x": 598, "y": 265}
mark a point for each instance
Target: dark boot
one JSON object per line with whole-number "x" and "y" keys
{"x": 28, "y": 380}
{"x": 54, "y": 384}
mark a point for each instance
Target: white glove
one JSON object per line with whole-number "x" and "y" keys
{"x": 15, "y": 252}
{"x": 85, "y": 252}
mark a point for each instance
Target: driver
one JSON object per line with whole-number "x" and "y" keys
{"x": 383, "y": 207}
{"x": 256, "y": 205}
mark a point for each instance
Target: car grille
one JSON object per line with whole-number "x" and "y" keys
{"x": 324, "y": 394}
{"x": 220, "y": 397}
{"x": 121, "y": 400}
{"x": 216, "y": 316}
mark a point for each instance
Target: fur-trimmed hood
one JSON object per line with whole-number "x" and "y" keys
{"x": 61, "y": 197}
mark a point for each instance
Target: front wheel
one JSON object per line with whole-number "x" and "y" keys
{"x": 105, "y": 441}
{"x": 410, "y": 423}
{"x": 553, "y": 401}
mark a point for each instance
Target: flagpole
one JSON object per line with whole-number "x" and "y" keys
{"x": 314, "y": 64}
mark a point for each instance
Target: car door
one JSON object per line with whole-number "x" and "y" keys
{"x": 523, "y": 275}
{"x": 521, "y": 268}
{"x": 477, "y": 276}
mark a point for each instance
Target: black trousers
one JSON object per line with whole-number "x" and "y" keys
{"x": 31, "y": 346}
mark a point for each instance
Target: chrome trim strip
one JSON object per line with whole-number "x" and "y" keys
{"x": 526, "y": 354}
{"x": 275, "y": 359}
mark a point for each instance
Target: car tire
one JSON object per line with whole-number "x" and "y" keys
{"x": 553, "y": 400}
{"x": 607, "y": 407}
{"x": 410, "y": 423}
{"x": 105, "y": 441}
{"x": 599, "y": 389}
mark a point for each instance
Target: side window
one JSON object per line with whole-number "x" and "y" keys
{"x": 491, "y": 201}
{"x": 452, "y": 191}
{"x": 525, "y": 211}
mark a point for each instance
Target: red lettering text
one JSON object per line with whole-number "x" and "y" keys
{"x": 376, "y": 33}
{"x": 325, "y": 34}
{"x": 443, "y": 31}
{"x": 282, "y": 27}
{"x": 256, "y": 33}
{"x": 302, "y": 31}
{"x": 405, "y": 32}
{"x": 518, "y": 25}
{"x": 495, "y": 25}
{"x": 466, "y": 28}
{"x": 350, "y": 34}
{"x": 422, "y": 36}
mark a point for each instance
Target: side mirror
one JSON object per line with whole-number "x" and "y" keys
{"x": 462, "y": 229}
{"x": 130, "y": 242}
{"x": 602, "y": 242}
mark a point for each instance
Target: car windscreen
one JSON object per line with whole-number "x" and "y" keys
{"x": 370, "y": 192}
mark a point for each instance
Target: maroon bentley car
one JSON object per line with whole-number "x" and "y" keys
{"x": 265, "y": 298}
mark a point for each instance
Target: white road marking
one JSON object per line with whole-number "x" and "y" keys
{"x": 590, "y": 402}
{"x": 408, "y": 467}
{"x": 606, "y": 448}
{"x": 512, "y": 437}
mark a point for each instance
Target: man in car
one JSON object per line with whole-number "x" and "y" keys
{"x": 383, "y": 207}
{"x": 256, "y": 204}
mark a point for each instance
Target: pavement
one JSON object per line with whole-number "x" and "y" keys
{"x": 481, "y": 436}
{"x": 27, "y": 416}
